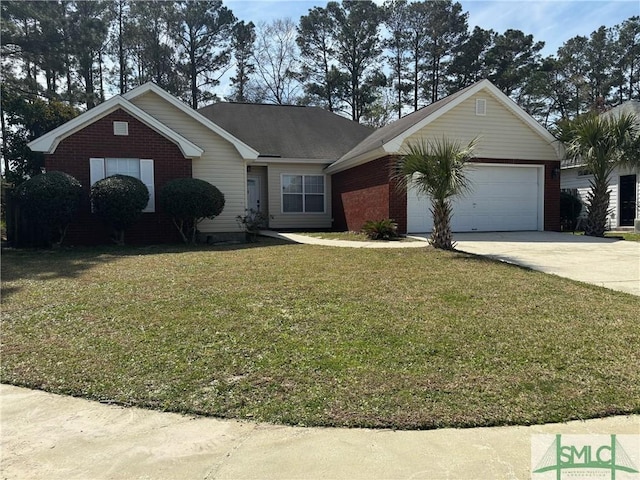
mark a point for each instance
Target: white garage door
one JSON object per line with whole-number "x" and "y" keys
{"x": 502, "y": 198}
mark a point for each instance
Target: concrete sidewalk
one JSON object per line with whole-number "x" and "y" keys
{"x": 57, "y": 437}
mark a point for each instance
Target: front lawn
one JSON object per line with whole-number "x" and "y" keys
{"x": 311, "y": 335}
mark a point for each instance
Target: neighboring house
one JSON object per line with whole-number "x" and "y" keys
{"x": 515, "y": 177}
{"x": 624, "y": 183}
{"x": 305, "y": 167}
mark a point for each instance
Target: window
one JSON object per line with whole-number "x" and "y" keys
{"x": 142, "y": 169}
{"x": 481, "y": 107}
{"x": 303, "y": 193}
{"x": 122, "y": 166}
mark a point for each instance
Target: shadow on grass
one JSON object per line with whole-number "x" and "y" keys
{"x": 70, "y": 262}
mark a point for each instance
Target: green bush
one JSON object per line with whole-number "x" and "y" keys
{"x": 50, "y": 200}
{"x": 385, "y": 229}
{"x": 189, "y": 201}
{"x": 570, "y": 208}
{"x": 119, "y": 201}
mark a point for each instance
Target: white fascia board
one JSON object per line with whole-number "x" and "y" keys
{"x": 306, "y": 161}
{"x": 245, "y": 151}
{"x": 49, "y": 142}
{"x": 340, "y": 166}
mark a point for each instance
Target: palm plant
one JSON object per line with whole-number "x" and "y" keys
{"x": 600, "y": 144}
{"x": 435, "y": 167}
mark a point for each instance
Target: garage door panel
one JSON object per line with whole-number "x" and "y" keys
{"x": 501, "y": 198}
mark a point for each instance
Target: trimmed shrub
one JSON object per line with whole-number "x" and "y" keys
{"x": 49, "y": 201}
{"x": 385, "y": 229}
{"x": 189, "y": 201}
{"x": 119, "y": 201}
{"x": 570, "y": 208}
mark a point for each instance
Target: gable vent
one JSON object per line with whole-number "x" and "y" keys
{"x": 481, "y": 106}
{"x": 121, "y": 128}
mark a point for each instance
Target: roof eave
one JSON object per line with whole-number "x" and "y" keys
{"x": 245, "y": 151}
{"x": 48, "y": 142}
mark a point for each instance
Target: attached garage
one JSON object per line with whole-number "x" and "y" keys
{"x": 502, "y": 198}
{"x": 514, "y": 174}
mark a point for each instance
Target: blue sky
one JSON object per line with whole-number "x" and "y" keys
{"x": 551, "y": 21}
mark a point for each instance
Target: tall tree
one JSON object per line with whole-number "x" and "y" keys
{"x": 89, "y": 34}
{"x": 203, "y": 33}
{"x": 358, "y": 48}
{"x": 512, "y": 58}
{"x": 446, "y": 28}
{"x": 627, "y": 50}
{"x": 155, "y": 58}
{"x": 276, "y": 59}
{"x": 396, "y": 20}
{"x": 599, "y": 55}
{"x": 417, "y": 32}
{"x": 242, "y": 42}
{"x": 322, "y": 81}
{"x": 468, "y": 64}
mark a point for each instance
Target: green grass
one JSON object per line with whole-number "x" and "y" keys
{"x": 309, "y": 335}
{"x": 628, "y": 236}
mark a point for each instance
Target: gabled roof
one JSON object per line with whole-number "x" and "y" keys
{"x": 388, "y": 140}
{"x": 48, "y": 142}
{"x": 243, "y": 149}
{"x": 287, "y": 131}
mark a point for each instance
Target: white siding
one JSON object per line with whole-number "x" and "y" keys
{"x": 296, "y": 220}
{"x": 501, "y": 134}
{"x": 220, "y": 165}
{"x": 570, "y": 179}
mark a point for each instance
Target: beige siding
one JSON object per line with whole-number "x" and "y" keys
{"x": 296, "y": 220}
{"x": 501, "y": 133}
{"x": 220, "y": 165}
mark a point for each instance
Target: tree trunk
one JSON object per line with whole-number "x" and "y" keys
{"x": 441, "y": 236}
{"x": 597, "y": 209}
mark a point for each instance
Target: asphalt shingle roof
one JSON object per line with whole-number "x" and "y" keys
{"x": 288, "y": 131}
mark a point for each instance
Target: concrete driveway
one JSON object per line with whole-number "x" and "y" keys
{"x": 605, "y": 262}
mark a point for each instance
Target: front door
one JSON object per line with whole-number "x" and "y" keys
{"x": 253, "y": 193}
{"x": 627, "y": 200}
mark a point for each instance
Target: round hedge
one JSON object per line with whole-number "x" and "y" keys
{"x": 50, "y": 199}
{"x": 119, "y": 200}
{"x": 191, "y": 198}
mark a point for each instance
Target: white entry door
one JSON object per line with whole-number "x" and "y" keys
{"x": 253, "y": 193}
{"x": 502, "y": 198}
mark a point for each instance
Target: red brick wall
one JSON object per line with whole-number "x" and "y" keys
{"x": 97, "y": 140}
{"x": 366, "y": 193}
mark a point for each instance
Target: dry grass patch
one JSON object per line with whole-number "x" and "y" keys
{"x": 300, "y": 334}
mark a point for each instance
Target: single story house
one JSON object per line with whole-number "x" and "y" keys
{"x": 624, "y": 183}
{"x": 305, "y": 167}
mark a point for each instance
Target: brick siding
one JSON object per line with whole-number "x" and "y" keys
{"x": 97, "y": 140}
{"x": 368, "y": 192}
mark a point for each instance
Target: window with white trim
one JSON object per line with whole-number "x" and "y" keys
{"x": 142, "y": 169}
{"x": 303, "y": 194}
